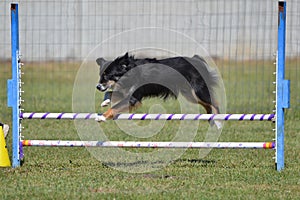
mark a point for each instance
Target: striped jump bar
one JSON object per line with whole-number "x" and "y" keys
{"x": 132, "y": 144}
{"x": 146, "y": 116}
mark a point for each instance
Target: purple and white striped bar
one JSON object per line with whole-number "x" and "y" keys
{"x": 133, "y": 144}
{"x": 34, "y": 115}
{"x": 145, "y": 116}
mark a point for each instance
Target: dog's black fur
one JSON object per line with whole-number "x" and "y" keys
{"x": 199, "y": 84}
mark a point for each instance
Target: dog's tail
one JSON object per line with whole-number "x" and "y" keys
{"x": 211, "y": 75}
{"x": 213, "y": 81}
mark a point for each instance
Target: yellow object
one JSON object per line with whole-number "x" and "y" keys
{"x": 4, "y": 158}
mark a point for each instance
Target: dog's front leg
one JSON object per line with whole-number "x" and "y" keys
{"x": 109, "y": 114}
{"x": 122, "y": 106}
{"x": 112, "y": 112}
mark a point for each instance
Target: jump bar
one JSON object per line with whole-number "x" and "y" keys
{"x": 133, "y": 144}
{"x": 146, "y": 116}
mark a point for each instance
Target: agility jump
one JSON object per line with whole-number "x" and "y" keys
{"x": 282, "y": 101}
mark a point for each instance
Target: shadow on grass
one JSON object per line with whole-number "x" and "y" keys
{"x": 155, "y": 164}
{"x": 200, "y": 162}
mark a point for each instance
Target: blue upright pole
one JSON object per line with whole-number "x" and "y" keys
{"x": 13, "y": 86}
{"x": 282, "y": 87}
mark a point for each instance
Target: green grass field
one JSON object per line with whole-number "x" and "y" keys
{"x": 73, "y": 173}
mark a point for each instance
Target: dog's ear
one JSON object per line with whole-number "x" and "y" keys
{"x": 101, "y": 61}
{"x": 124, "y": 60}
{"x": 126, "y": 55}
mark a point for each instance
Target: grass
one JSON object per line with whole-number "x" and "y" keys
{"x": 73, "y": 173}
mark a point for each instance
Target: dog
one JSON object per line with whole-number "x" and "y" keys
{"x": 134, "y": 79}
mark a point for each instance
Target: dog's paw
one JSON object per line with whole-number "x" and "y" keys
{"x": 100, "y": 118}
{"x": 105, "y": 103}
{"x": 219, "y": 124}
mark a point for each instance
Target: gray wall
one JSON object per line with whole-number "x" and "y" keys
{"x": 78, "y": 29}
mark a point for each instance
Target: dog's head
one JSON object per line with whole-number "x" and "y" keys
{"x": 112, "y": 71}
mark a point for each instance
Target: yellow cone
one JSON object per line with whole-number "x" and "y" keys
{"x": 4, "y": 159}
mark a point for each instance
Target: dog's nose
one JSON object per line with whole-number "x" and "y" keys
{"x": 99, "y": 86}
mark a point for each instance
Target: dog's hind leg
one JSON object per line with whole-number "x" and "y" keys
{"x": 209, "y": 107}
{"x": 198, "y": 97}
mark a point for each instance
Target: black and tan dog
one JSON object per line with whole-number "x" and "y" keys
{"x": 134, "y": 79}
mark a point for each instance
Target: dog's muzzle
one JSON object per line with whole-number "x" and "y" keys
{"x": 101, "y": 87}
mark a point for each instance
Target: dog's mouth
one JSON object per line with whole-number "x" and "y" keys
{"x": 104, "y": 87}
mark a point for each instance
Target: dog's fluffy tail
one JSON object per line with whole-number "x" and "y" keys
{"x": 210, "y": 74}
{"x": 212, "y": 78}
